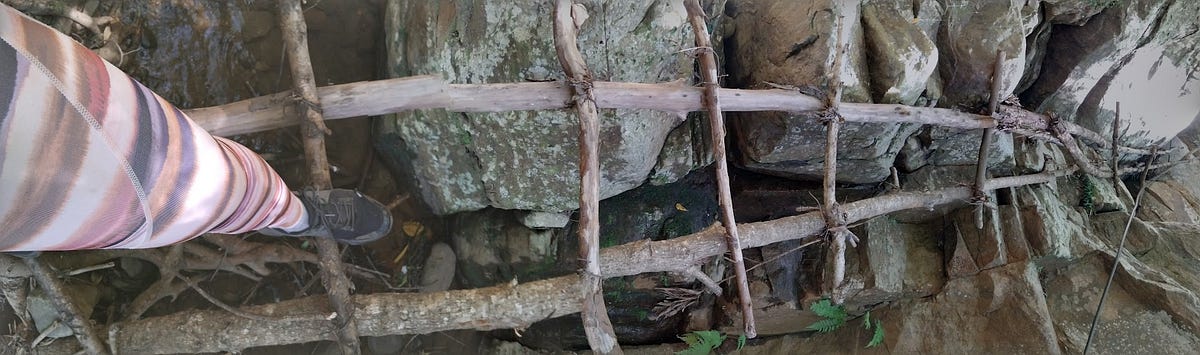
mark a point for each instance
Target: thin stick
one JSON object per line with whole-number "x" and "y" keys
{"x": 167, "y": 272}
{"x": 708, "y": 71}
{"x": 568, "y": 17}
{"x": 835, "y": 221}
{"x": 1087, "y": 345}
{"x": 313, "y": 129}
{"x": 68, "y": 311}
{"x": 986, "y": 143}
{"x": 1116, "y": 136}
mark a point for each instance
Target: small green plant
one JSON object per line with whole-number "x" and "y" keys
{"x": 703, "y": 342}
{"x": 834, "y": 317}
{"x": 1087, "y": 192}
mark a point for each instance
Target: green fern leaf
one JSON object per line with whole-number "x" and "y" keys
{"x": 701, "y": 342}
{"x": 826, "y": 325}
{"x": 741, "y": 342}
{"x": 876, "y": 338}
{"x": 827, "y": 309}
{"x": 867, "y": 320}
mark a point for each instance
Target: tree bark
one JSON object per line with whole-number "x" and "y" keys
{"x": 568, "y": 16}
{"x": 429, "y": 92}
{"x": 498, "y": 307}
{"x": 313, "y": 130}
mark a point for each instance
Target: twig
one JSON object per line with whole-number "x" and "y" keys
{"x": 244, "y": 314}
{"x": 568, "y": 17}
{"x": 68, "y": 311}
{"x": 1116, "y": 136}
{"x": 835, "y": 221}
{"x": 716, "y": 119}
{"x": 160, "y": 288}
{"x": 1087, "y": 345}
{"x": 981, "y": 166}
{"x": 695, "y": 273}
{"x": 87, "y": 269}
{"x": 313, "y": 130}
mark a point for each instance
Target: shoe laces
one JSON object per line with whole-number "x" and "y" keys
{"x": 335, "y": 213}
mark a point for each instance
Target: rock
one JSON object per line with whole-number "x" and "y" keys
{"x": 789, "y": 42}
{"x": 1084, "y": 55}
{"x": 528, "y": 160}
{"x": 687, "y": 147}
{"x": 257, "y": 24}
{"x": 41, "y": 308}
{"x": 438, "y": 273}
{"x": 985, "y": 245}
{"x": 543, "y": 220}
{"x": 971, "y": 33}
{"x": 1071, "y": 12}
{"x": 1000, "y": 310}
{"x": 894, "y": 261}
{"x": 900, "y": 56}
{"x": 1154, "y": 83}
{"x": 948, "y": 146}
{"x": 932, "y": 178}
{"x": 1128, "y": 324}
{"x": 493, "y": 247}
{"x": 1167, "y": 201}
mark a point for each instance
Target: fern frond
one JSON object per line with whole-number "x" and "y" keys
{"x": 827, "y": 309}
{"x": 876, "y": 338}
{"x": 826, "y": 325}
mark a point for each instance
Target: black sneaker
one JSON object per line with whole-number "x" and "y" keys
{"x": 347, "y": 216}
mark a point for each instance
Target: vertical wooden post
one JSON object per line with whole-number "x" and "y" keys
{"x": 568, "y": 17}
{"x": 313, "y": 130}
{"x": 716, "y": 119}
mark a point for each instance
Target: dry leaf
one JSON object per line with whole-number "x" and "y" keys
{"x": 679, "y": 206}
{"x": 412, "y": 228}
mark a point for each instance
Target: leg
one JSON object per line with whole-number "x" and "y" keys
{"x": 91, "y": 159}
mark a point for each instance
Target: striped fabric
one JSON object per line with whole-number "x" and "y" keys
{"x": 91, "y": 159}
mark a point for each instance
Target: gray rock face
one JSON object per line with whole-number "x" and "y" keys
{"x": 1126, "y": 53}
{"x": 528, "y": 160}
{"x": 790, "y": 42}
{"x": 971, "y": 33}
{"x": 901, "y": 56}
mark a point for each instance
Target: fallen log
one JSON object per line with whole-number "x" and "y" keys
{"x": 498, "y": 307}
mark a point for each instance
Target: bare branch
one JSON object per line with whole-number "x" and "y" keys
{"x": 568, "y": 17}
{"x": 313, "y": 130}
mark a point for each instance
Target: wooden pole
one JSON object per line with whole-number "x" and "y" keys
{"x": 716, "y": 119}
{"x": 313, "y": 131}
{"x": 504, "y": 306}
{"x": 568, "y": 18}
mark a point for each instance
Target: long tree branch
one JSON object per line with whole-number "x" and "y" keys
{"x": 333, "y": 275}
{"x": 716, "y": 119}
{"x": 568, "y": 17}
{"x": 429, "y": 92}
{"x": 505, "y": 306}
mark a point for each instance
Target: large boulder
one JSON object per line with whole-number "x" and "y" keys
{"x": 792, "y": 43}
{"x": 528, "y": 160}
{"x": 1133, "y": 52}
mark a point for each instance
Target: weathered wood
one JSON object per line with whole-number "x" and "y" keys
{"x": 986, "y": 142}
{"x": 68, "y": 310}
{"x": 499, "y": 307}
{"x": 313, "y": 130}
{"x": 428, "y": 92}
{"x": 568, "y": 17}
{"x": 716, "y": 120}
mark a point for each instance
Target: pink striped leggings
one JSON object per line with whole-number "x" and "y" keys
{"x": 91, "y": 159}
